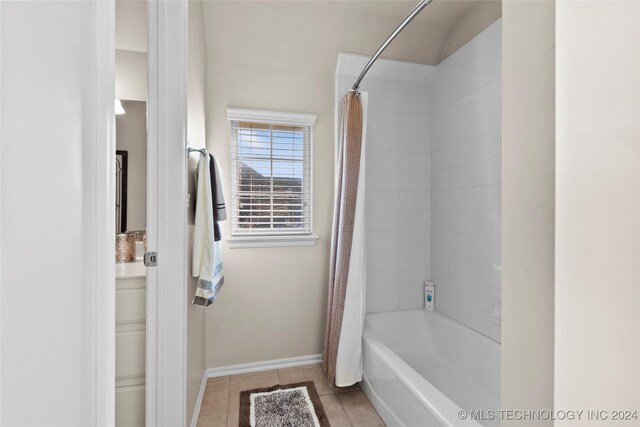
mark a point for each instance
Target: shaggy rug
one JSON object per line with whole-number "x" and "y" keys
{"x": 289, "y": 405}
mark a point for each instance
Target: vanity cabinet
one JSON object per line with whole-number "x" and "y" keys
{"x": 131, "y": 331}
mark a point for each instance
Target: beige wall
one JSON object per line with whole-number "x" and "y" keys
{"x": 268, "y": 56}
{"x": 597, "y": 355}
{"x": 273, "y": 301}
{"x": 528, "y": 155}
{"x": 483, "y": 14}
{"x": 131, "y": 48}
{"x": 280, "y": 56}
{"x": 196, "y": 133}
{"x": 131, "y": 75}
{"x": 131, "y": 135}
{"x": 131, "y": 25}
{"x": 131, "y": 85}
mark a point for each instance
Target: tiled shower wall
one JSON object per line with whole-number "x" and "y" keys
{"x": 433, "y": 180}
{"x": 397, "y": 178}
{"x": 466, "y": 182}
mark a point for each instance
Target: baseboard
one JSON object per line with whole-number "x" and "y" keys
{"x": 264, "y": 366}
{"x": 196, "y": 410}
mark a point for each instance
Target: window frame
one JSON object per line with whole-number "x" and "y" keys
{"x": 271, "y": 239}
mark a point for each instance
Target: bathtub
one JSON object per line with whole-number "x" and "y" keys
{"x": 422, "y": 368}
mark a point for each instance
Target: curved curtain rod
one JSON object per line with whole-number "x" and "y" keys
{"x": 416, "y": 10}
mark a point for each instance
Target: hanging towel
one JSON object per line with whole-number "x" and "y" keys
{"x": 219, "y": 210}
{"x": 207, "y": 255}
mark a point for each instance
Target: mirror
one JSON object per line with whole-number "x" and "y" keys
{"x": 121, "y": 191}
{"x": 131, "y": 167}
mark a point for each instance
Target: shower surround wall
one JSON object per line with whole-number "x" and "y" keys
{"x": 433, "y": 180}
{"x": 466, "y": 182}
{"x": 397, "y": 177}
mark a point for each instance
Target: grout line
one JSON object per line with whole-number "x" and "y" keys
{"x": 433, "y": 171}
{"x": 344, "y": 411}
{"x": 472, "y": 92}
{"x": 229, "y": 396}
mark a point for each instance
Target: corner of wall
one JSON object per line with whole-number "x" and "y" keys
{"x": 196, "y": 135}
{"x": 528, "y": 142}
{"x": 479, "y": 17}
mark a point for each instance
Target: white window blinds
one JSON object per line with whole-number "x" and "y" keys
{"x": 271, "y": 175}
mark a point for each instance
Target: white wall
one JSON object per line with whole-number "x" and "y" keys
{"x": 131, "y": 136}
{"x": 397, "y": 173}
{"x": 466, "y": 182}
{"x": 57, "y": 199}
{"x": 196, "y": 135}
{"x": 597, "y": 293}
{"x": 528, "y": 162}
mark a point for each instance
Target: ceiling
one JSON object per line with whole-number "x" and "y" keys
{"x": 441, "y": 12}
{"x": 433, "y": 27}
{"x": 307, "y": 36}
{"x": 437, "y": 21}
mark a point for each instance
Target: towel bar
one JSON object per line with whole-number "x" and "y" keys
{"x": 199, "y": 150}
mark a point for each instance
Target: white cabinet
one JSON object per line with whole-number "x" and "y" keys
{"x": 131, "y": 330}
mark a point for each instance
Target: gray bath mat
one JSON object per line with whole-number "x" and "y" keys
{"x": 290, "y": 405}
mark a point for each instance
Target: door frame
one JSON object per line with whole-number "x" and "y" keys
{"x": 166, "y": 372}
{"x": 166, "y": 213}
{"x": 102, "y": 153}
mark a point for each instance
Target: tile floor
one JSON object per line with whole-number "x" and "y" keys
{"x": 345, "y": 407}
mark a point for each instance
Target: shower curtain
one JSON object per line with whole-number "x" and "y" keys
{"x": 342, "y": 357}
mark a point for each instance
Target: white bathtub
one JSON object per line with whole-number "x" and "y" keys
{"x": 422, "y": 368}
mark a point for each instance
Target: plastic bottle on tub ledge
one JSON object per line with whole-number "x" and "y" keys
{"x": 429, "y": 295}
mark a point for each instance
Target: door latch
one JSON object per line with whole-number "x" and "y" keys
{"x": 151, "y": 259}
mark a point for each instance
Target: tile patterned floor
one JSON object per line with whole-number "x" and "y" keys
{"x": 347, "y": 407}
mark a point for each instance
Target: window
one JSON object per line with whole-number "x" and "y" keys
{"x": 271, "y": 172}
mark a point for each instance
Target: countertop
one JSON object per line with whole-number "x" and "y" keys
{"x": 131, "y": 270}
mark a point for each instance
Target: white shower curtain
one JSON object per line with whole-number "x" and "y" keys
{"x": 349, "y": 359}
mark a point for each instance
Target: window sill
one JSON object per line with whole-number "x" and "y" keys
{"x": 271, "y": 241}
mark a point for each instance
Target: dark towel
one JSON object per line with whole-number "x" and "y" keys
{"x": 214, "y": 191}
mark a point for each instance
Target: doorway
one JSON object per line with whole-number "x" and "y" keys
{"x": 150, "y": 302}
{"x": 131, "y": 71}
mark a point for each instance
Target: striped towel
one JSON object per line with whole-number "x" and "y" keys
{"x": 207, "y": 255}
